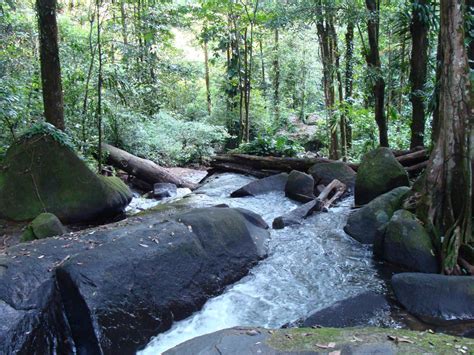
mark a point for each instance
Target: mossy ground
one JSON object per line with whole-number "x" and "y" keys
{"x": 410, "y": 342}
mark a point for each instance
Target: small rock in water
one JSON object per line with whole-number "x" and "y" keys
{"x": 253, "y": 332}
{"x": 162, "y": 190}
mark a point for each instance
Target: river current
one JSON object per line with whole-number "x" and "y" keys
{"x": 309, "y": 267}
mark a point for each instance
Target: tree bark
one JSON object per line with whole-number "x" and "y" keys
{"x": 207, "y": 78}
{"x": 50, "y": 64}
{"x": 419, "y": 28}
{"x": 447, "y": 197}
{"x": 349, "y": 78}
{"x": 276, "y": 78}
{"x": 373, "y": 61}
{"x": 143, "y": 169}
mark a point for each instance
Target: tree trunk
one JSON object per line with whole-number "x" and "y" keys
{"x": 99, "y": 89}
{"x": 208, "y": 82}
{"x": 373, "y": 61}
{"x": 446, "y": 200}
{"x": 419, "y": 28}
{"x": 143, "y": 169}
{"x": 349, "y": 81}
{"x": 50, "y": 64}
{"x": 276, "y": 74}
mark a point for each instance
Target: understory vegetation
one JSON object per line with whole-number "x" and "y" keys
{"x": 176, "y": 81}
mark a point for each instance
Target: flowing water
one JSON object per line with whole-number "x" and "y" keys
{"x": 309, "y": 267}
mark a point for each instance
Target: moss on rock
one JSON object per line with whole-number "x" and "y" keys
{"x": 42, "y": 175}
{"x": 399, "y": 340}
{"x": 378, "y": 173}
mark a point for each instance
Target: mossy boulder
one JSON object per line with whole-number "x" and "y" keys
{"x": 324, "y": 173}
{"x": 241, "y": 340}
{"x": 44, "y": 226}
{"x": 378, "y": 173}
{"x": 41, "y": 174}
{"x": 363, "y": 223}
{"x": 300, "y": 187}
{"x": 406, "y": 243}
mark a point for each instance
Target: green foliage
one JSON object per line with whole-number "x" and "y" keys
{"x": 45, "y": 128}
{"x": 169, "y": 140}
{"x": 279, "y": 146}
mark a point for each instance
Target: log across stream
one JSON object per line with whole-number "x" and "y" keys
{"x": 309, "y": 267}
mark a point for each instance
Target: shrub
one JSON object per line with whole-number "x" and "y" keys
{"x": 279, "y": 146}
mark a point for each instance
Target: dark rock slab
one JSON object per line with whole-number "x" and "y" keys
{"x": 110, "y": 290}
{"x": 378, "y": 173}
{"x": 300, "y": 187}
{"x": 406, "y": 243}
{"x": 324, "y": 173}
{"x": 164, "y": 189}
{"x": 354, "y": 311}
{"x": 435, "y": 297}
{"x": 296, "y": 215}
{"x": 262, "y": 186}
{"x": 363, "y": 223}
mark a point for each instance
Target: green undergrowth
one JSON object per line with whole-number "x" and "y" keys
{"x": 406, "y": 341}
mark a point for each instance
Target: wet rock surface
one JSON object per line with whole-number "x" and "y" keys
{"x": 363, "y": 223}
{"x": 355, "y": 311}
{"x": 324, "y": 173}
{"x": 434, "y": 297}
{"x": 300, "y": 187}
{"x": 110, "y": 290}
{"x": 262, "y": 186}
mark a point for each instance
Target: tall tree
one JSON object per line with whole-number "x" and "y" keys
{"x": 446, "y": 200}
{"x": 373, "y": 61}
{"x": 419, "y": 28}
{"x": 50, "y": 64}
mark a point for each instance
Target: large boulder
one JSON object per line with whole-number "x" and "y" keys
{"x": 347, "y": 341}
{"x": 435, "y": 297}
{"x": 355, "y": 311}
{"x": 300, "y": 187}
{"x": 164, "y": 189}
{"x": 40, "y": 174}
{"x": 406, "y": 243}
{"x": 324, "y": 173}
{"x": 112, "y": 290}
{"x": 378, "y": 173}
{"x": 44, "y": 226}
{"x": 363, "y": 223}
{"x": 262, "y": 186}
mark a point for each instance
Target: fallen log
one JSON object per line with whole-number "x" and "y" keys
{"x": 264, "y": 166}
{"x": 413, "y": 158}
{"x": 417, "y": 168}
{"x": 320, "y": 204}
{"x": 398, "y": 153}
{"x": 271, "y": 163}
{"x": 143, "y": 169}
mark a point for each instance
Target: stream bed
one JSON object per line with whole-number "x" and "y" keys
{"x": 309, "y": 267}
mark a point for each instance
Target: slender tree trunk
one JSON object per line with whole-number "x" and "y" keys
{"x": 419, "y": 28}
{"x": 446, "y": 203}
{"x": 373, "y": 61}
{"x": 99, "y": 89}
{"x": 123, "y": 17}
{"x": 349, "y": 77}
{"x": 276, "y": 74}
{"x": 50, "y": 64}
{"x": 262, "y": 64}
{"x": 337, "y": 68}
{"x": 208, "y": 82}
{"x": 89, "y": 75}
{"x": 402, "y": 76}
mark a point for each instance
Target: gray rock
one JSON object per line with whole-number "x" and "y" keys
{"x": 300, "y": 187}
{"x": 407, "y": 244}
{"x": 435, "y": 297}
{"x": 363, "y": 223}
{"x": 262, "y": 186}
{"x": 296, "y": 215}
{"x": 120, "y": 286}
{"x": 378, "y": 173}
{"x": 164, "y": 189}
{"x": 324, "y": 173}
{"x": 351, "y": 312}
